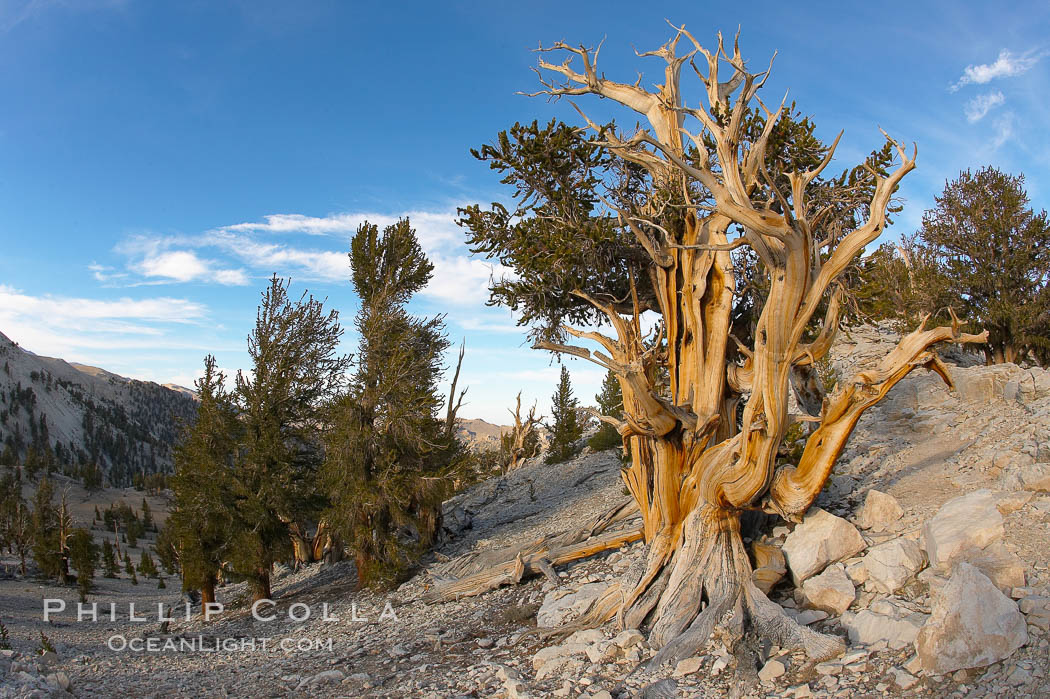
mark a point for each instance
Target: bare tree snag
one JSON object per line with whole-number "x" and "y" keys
{"x": 697, "y": 463}
{"x": 454, "y": 403}
{"x": 516, "y": 445}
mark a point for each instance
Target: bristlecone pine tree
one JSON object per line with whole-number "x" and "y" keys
{"x": 610, "y": 405}
{"x": 296, "y": 372}
{"x": 83, "y": 554}
{"x": 984, "y": 250}
{"x": 201, "y": 523}
{"x": 47, "y": 551}
{"x": 389, "y": 453}
{"x": 646, "y": 221}
{"x": 566, "y": 428}
{"x": 520, "y": 442}
{"x": 109, "y": 560}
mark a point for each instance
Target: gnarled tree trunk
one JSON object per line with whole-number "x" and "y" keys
{"x": 515, "y": 445}
{"x": 695, "y": 468}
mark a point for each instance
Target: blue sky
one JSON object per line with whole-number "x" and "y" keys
{"x": 158, "y": 161}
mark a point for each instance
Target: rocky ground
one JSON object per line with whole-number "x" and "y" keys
{"x": 927, "y": 552}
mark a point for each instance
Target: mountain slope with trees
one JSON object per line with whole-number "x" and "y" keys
{"x": 87, "y": 423}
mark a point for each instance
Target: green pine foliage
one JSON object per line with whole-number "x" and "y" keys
{"x": 610, "y": 403}
{"x": 110, "y": 569}
{"x": 567, "y": 426}
{"x": 16, "y": 522}
{"x": 988, "y": 256}
{"x": 83, "y": 554}
{"x": 389, "y": 453}
{"x": 296, "y": 373}
{"x": 147, "y": 516}
{"x": 981, "y": 251}
{"x": 146, "y": 565}
{"x": 47, "y": 551}
{"x": 197, "y": 533}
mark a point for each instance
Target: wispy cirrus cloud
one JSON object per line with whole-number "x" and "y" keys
{"x": 283, "y": 259}
{"x": 1006, "y": 65}
{"x": 979, "y": 106}
{"x": 433, "y": 227}
{"x": 1004, "y": 129}
{"x": 84, "y": 329}
{"x": 64, "y": 310}
{"x": 271, "y": 246}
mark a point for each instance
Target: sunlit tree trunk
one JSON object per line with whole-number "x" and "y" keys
{"x": 694, "y": 467}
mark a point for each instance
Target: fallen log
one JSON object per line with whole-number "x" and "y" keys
{"x": 478, "y": 572}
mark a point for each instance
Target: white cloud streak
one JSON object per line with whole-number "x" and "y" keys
{"x": 1004, "y": 129}
{"x": 1007, "y": 65}
{"x": 83, "y": 329}
{"x": 979, "y": 106}
{"x": 433, "y": 228}
{"x": 265, "y": 248}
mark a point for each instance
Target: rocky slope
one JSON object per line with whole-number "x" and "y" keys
{"x": 927, "y": 552}
{"x": 86, "y": 415}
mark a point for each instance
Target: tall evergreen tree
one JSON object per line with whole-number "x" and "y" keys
{"x": 567, "y": 427}
{"x": 610, "y": 404}
{"x": 296, "y": 372}
{"x": 201, "y": 522}
{"x": 46, "y": 548}
{"x": 987, "y": 254}
{"x": 110, "y": 569}
{"x": 388, "y": 452}
{"x": 16, "y": 524}
{"x": 83, "y": 554}
{"x": 147, "y": 516}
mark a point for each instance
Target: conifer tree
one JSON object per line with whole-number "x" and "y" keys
{"x": 987, "y": 254}
{"x": 16, "y": 523}
{"x": 645, "y": 221}
{"x": 567, "y": 427}
{"x": 610, "y": 404}
{"x": 147, "y": 516}
{"x": 83, "y": 554}
{"x": 388, "y": 452}
{"x": 46, "y": 547}
{"x": 296, "y": 372}
{"x": 109, "y": 561}
{"x": 146, "y": 565}
{"x": 201, "y": 523}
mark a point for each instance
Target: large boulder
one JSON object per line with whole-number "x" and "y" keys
{"x": 983, "y": 384}
{"x": 832, "y": 591}
{"x": 972, "y": 624}
{"x": 1026, "y": 474}
{"x": 1004, "y": 568}
{"x": 821, "y": 539}
{"x": 885, "y": 620}
{"x": 879, "y": 512}
{"x": 563, "y": 605}
{"x": 891, "y": 564}
{"x": 969, "y": 521}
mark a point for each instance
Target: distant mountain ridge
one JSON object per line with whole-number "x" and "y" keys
{"x": 479, "y": 434}
{"x": 75, "y": 416}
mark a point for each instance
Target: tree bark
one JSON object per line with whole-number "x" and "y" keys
{"x": 208, "y": 591}
{"x": 695, "y": 468}
{"x": 261, "y": 585}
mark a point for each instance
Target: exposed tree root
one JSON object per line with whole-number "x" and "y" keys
{"x": 681, "y": 598}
